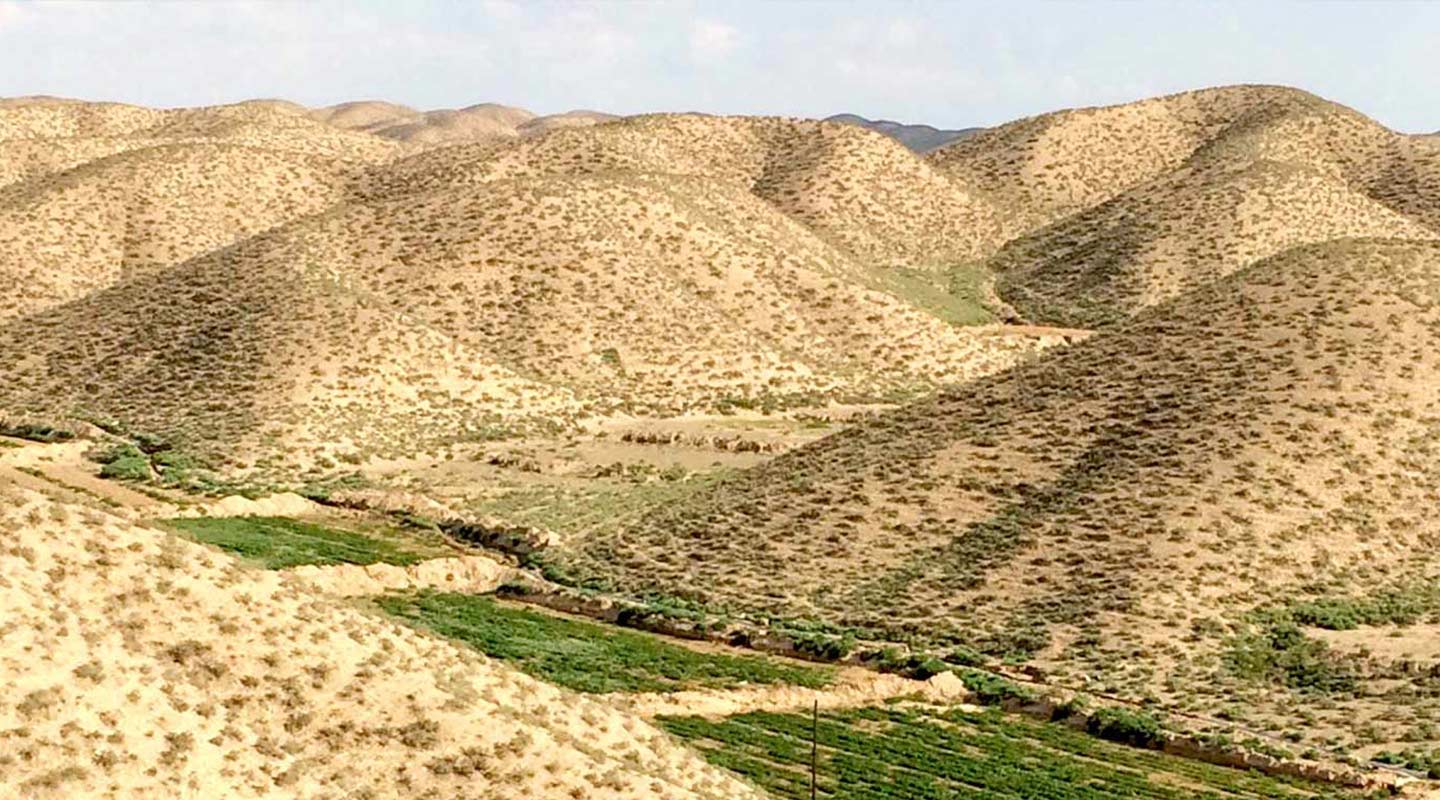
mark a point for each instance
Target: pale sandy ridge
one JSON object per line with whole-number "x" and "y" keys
{"x": 134, "y": 664}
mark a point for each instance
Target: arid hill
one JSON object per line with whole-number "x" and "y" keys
{"x": 638, "y": 293}
{"x": 1121, "y": 207}
{"x": 216, "y": 290}
{"x": 136, "y": 664}
{"x": 860, "y": 190}
{"x": 920, "y": 138}
{"x": 1266, "y": 436}
{"x": 484, "y": 122}
{"x": 66, "y": 234}
{"x": 1181, "y": 231}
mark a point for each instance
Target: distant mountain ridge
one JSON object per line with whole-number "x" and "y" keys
{"x": 920, "y": 138}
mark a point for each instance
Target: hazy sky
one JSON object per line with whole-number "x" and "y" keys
{"x": 949, "y": 64}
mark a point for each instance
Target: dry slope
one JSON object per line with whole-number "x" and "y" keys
{"x": 437, "y": 315}
{"x": 39, "y": 136}
{"x": 137, "y": 665}
{"x": 67, "y": 234}
{"x": 1275, "y": 429}
{"x": 860, "y": 190}
{"x": 483, "y": 122}
{"x": 1125, "y": 206}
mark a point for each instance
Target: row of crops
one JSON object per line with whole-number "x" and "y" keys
{"x": 925, "y": 754}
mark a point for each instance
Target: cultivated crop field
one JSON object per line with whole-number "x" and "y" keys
{"x": 585, "y": 656}
{"x": 279, "y": 542}
{"x": 922, "y": 753}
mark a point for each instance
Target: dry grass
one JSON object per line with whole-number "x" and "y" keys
{"x": 134, "y": 663}
{"x": 276, "y": 304}
{"x": 1251, "y": 440}
{"x": 1122, "y": 207}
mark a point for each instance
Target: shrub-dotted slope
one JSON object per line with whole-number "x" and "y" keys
{"x": 256, "y": 348}
{"x": 1137, "y": 203}
{"x": 138, "y": 665}
{"x": 857, "y": 189}
{"x": 647, "y": 294}
{"x": 1278, "y": 427}
{"x": 64, "y": 235}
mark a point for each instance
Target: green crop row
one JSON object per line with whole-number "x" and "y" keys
{"x": 587, "y": 656}
{"x": 900, "y": 752}
{"x": 280, "y": 542}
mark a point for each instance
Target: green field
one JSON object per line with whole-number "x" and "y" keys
{"x": 896, "y": 752}
{"x": 280, "y": 542}
{"x": 585, "y": 656}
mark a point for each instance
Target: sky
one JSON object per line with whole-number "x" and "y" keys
{"x": 949, "y": 64}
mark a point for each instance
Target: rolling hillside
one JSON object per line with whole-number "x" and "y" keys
{"x": 859, "y": 190}
{"x": 1248, "y": 442}
{"x": 42, "y": 135}
{"x": 483, "y": 122}
{"x": 486, "y": 304}
{"x": 920, "y": 138}
{"x": 1125, "y": 206}
{"x": 137, "y": 664}
{"x": 69, "y": 233}
{"x": 211, "y": 286}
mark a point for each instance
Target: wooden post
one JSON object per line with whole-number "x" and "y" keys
{"x": 814, "y": 744}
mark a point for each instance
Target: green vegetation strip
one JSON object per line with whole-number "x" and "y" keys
{"x": 1408, "y": 605}
{"x": 585, "y": 656}
{"x": 884, "y": 753}
{"x": 279, "y": 542}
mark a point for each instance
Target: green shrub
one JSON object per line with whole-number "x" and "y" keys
{"x": 1282, "y": 653}
{"x": 992, "y": 690}
{"x": 822, "y": 646}
{"x": 124, "y": 463}
{"x": 44, "y": 434}
{"x": 963, "y": 656}
{"x": 1125, "y": 726}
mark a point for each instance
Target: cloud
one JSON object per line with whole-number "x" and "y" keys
{"x": 10, "y": 14}
{"x": 502, "y": 9}
{"x": 712, "y": 41}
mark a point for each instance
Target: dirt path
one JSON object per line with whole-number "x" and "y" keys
{"x": 64, "y": 464}
{"x": 853, "y": 687}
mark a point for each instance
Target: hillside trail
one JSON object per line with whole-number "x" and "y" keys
{"x": 854, "y": 687}
{"x": 64, "y": 465}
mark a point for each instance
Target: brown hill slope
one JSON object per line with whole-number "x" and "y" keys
{"x": 1272, "y": 431}
{"x": 484, "y": 122}
{"x": 363, "y": 114}
{"x": 135, "y": 664}
{"x": 658, "y": 294}
{"x": 67, "y": 234}
{"x": 1181, "y": 231}
{"x": 1157, "y": 197}
{"x": 565, "y": 119}
{"x": 857, "y": 189}
{"x": 40, "y": 136}
{"x": 1043, "y": 168}
{"x": 255, "y": 349}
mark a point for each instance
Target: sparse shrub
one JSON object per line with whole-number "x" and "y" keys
{"x": 124, "y": 463}
{"x": 992, "y": 690}
{"x": 1282, "y": 653}
{"x": 1125, "y": 726}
